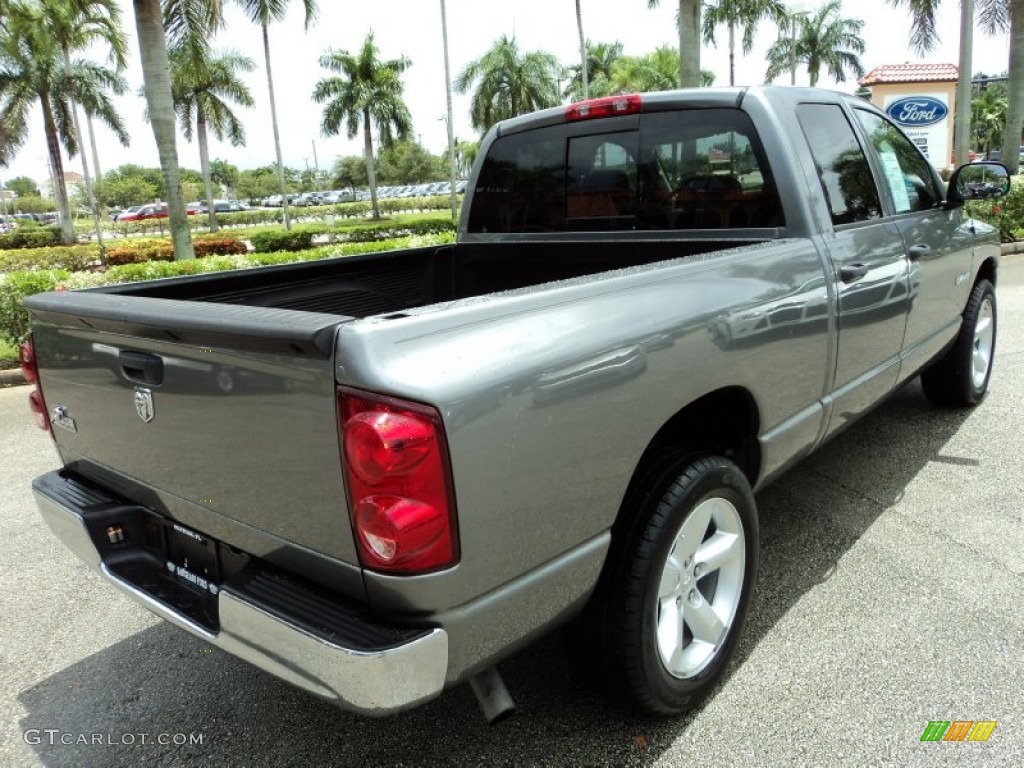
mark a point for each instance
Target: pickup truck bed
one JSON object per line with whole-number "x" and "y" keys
{"x": 385, "y": 283}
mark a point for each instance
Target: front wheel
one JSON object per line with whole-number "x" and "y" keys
{"x": 680, "y": 585}
{"x": 961, "y": 376}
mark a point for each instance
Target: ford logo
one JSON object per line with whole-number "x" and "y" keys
{"x": 917, "y": 111}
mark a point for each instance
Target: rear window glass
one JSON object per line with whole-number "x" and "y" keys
{"x": 690, "y": 169}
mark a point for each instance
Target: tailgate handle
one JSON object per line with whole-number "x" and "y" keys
{"x": 142, "y": 367}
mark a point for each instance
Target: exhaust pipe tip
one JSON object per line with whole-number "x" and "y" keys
{"x": 492, "y": 695}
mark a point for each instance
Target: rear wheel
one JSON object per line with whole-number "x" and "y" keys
{"x": 679, "y": 587}
{"x": 961, "y": 376}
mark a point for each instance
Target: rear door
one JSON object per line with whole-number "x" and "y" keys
{"x": 937, "y": 242}
{"x": 870, "y": 264}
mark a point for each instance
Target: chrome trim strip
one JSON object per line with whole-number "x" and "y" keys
{"x": 370, "y": 683}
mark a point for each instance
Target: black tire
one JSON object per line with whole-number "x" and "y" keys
{"x": 631, "y": 616}
{"x": 960, "y": 377}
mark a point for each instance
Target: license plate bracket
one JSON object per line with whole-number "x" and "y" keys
{"x": 192, "y": 558}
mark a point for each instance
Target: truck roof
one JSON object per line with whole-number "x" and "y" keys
{"x": 654, "y": 101}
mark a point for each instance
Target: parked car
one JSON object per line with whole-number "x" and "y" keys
{"x": 129, "y": 214}
{"x": 996, "y": 156}
{"x": 274, "y": 201}
{"x": 155, "y": 211}
{"x": 224, "y": 206}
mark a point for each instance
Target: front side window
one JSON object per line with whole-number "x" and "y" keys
{"x": 842, "y": 166}
{"x": 907, "y": 174}
{"x": 685, "y": 169}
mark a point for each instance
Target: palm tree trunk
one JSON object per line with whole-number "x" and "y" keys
{"x": 67, "y": 228}
{"x": 277, "y": 133}
{"x": 1015, "y": 86}
{"x": 689, "y": 43}
{"x": 95, "y": 152}
{"x": 371, "y": 174}
{"x": 90, "y": 194}
{"x": 204, "y": 165}
{"x": 732, "y": 54}
{"x": 962, "y": 118}
{"x": 156, "y": 76}
{"x": 448, "y": 120}
{"x": 583, "y": 53}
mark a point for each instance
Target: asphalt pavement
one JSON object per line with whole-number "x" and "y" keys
{"x": 890, "y": 595}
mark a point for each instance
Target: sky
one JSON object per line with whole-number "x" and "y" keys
{"x": 413, "y": 28}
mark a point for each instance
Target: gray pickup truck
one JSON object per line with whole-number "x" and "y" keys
{"x": 376, "y": 477}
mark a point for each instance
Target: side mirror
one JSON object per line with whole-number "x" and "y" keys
{"x": 978, "y": 181}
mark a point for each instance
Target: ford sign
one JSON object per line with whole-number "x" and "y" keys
{"x": 916, "y": 111}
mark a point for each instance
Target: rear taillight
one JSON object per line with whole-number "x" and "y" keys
{"x": 609, "y": 106}
{"x": 30, "y": 370}
{"x": 399, "y": 483}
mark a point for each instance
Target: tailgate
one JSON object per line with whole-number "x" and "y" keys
{"x": 227, "y": 413}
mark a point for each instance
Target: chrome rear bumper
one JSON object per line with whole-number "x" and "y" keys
{"x": 370, "y": 682}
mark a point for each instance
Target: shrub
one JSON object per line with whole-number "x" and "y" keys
{"x": 29, "y": 237}
{"x": 1006, "y": 213}
{"x": 139, "y": 251}
{"x": 218, "y": 246}
{"x": 15, "y": 286}
{"x": 9, "y": 357}
{"x": 282, "y": 240}
{"x": 14, "y": 321}
{"x": 71, "y": 257}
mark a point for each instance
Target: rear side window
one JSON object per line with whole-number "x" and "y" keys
{"x": 841, "y": 164}
{"x": 688, "y": 169}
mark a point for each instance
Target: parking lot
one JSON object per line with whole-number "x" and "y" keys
{"x": 890, "y": 595}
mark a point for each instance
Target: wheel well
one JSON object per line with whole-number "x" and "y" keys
{"x": 987, "y": 271}
{"x": 724, "y": 422}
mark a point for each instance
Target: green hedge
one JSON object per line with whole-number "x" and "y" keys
{"x": 135, "y": 250}
{"x": 1006, "y": 213}
{"x": 71, "y": 257}
{"x": 15, "y": 286}
{"x": 272, "y": 240}
{"x": 29, "y": 237}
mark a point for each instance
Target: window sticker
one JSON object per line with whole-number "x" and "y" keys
{"x": 894, "y": 176}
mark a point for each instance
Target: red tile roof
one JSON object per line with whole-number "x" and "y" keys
{"x": 911, "y": 73}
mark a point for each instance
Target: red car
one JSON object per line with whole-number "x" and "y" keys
{"x": 152, "y": 211}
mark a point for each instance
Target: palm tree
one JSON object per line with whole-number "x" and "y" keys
{"x": 601, "y": 58}
{"x": 149, "y": 26}
{"x": 263, "y": 12}
{"x": 1008, "y": 16}
{"x": 655, "y": 71}
{"x": 202, "y": 86}
{"x": 688, "y": 22}
{"x": 509, "y": 83}
{"x": 1015, "y": 108}
{"x": 74, "y": 25}
{"x": 995, "y": 15}
{"x": 823, "y": 39}
{"x": 32, "y": 70}
{"x": 988, "y": 118}
{"x": 584, "y": 76}
{"x": 742, "y": 14}
{"x": 366, "y": 91}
